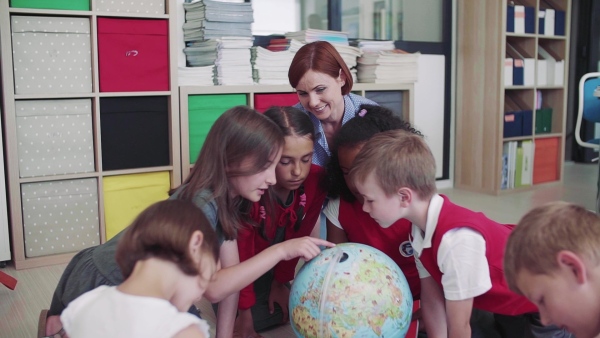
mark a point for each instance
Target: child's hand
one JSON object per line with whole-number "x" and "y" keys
{"x": 279, "y": 294}
{"x": 244, "y": 325}
{"x": 306, "y": 247}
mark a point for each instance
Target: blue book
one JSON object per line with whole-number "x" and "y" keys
{"x": 559, "y": 23}
{"x": 510, "y": 19}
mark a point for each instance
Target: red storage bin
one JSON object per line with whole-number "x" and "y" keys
{"x": 263, "y": 102}
{"x": 546, "y": 160}
{"x": 133, "y": 55}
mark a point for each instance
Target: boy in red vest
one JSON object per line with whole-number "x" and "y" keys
{"x": 553, "y": 258}
{"x": 458, "y": 252}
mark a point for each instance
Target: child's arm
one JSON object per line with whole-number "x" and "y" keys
{"x": 458, "y": 315}
{"x": 433, "y": 309}
{"x": 228, "y": 306}
{"x": 232, "y": 279}
{"x": 335, "y": 232}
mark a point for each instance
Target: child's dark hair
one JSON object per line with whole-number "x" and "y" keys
{"x": 164, "y": 230}
{"x": 293, "y": 122}
{"x": 369, "y": 120}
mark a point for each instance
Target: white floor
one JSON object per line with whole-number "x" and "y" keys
{"x": 19, "y": 309}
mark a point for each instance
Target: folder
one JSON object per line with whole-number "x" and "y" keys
{"x": 529, "y": 20}
{"x": 519, "y": 19}
{"x": 541, "y": 71}
{"x": 518, "y": 166}
{"x": 524, "y": 66}
{"x": 543, "y": 121}
{"x": 555, "y": 67}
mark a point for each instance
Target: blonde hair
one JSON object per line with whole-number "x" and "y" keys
{"x": 399, "y": 159}
{"x": 546, "y": 230}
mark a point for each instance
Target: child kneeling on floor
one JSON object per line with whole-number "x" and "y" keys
{"x": 167, "y": 257}
{"x": 553, "y": 258}
{"x": 458, "y": 252}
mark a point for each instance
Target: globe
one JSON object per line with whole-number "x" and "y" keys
{"x": 350, "y": 290}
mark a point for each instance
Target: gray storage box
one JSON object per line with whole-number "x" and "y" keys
{"x": 54, "y": 137}
{"x": 131, "y": 6}
{"x": 51, "y": 55}
{"x": 391, "y": 99}
{"x": 60, "y": 216}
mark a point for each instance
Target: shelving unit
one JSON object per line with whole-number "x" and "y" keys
{"x": 68, "y": 129}
{"x": 399, "y": 97}
{"x": 483, "y": 98}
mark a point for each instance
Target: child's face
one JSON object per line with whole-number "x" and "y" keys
{"x": 562, "y": 301}
{"x": 295, "y": 161}
{"x": 346, "y": 156}
{"x": 384, "y": 209}
{"x": 252, "y": 187}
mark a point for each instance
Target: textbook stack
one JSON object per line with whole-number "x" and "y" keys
{"x": 271, "y": 67}
{"x": 233, "y": 61}
{"x": 200, "y": 59}
{"x": 209, "y": 19}
{"x": 388, "y": 66}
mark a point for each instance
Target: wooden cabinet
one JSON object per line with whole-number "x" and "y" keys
{"x": 91, "y": 119}
{"x": 498, "y": 108}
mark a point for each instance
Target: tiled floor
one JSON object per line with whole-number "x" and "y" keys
{"x": 19, "y": 309}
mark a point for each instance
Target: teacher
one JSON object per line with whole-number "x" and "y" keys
{"x": 323, "y": 83}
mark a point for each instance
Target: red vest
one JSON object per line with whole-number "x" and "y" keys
{"x": 251, "y": 241}
{"x": 499, "y": 299}
{"x": 393, "y": 241}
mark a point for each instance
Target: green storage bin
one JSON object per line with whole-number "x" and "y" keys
{"x": 203, "y": 111}
{"x": 543, "y": 121}
{"x": 75, "y": 5}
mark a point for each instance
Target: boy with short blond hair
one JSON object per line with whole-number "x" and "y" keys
{"x": 553, "y": 258}
{"x": 458, "y": 252}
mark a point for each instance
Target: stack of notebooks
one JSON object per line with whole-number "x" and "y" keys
{"x": 233, "y": 61}
{"x": 210, "y": 19}
{"x": 388, "y": 66}
{"x": 271, "y": 67}
{"x": 200, "y": 59}
{"x": 197, "y": 76}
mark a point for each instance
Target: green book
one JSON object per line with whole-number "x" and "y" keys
{"x": 519, "y": 167}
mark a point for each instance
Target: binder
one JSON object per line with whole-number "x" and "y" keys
{"x": 519, "y": 19}
{"x": 559, "y": 23}
{"x": 510, "y": 19}
{"x": 518, "y": 120}
{"x": 524, "y": 66}
{"x": 543, "y": 121}
{"x": 541, "y": 21}
{"x": 519, "y": 166}
{"x": 527, "y": 166}
{"x": 504, "y": 178}
{"x": 529, "y": 20}
{"x": 555, "y": 68}
{"x": 542, "y": 71}
{"x": 508, "y": 71}
{"x": 549, "y": 22}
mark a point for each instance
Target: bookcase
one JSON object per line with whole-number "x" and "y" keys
{"x": 200, "y": 106}
{"x": 499, "y": 107}
{"x": 91, "y": 119}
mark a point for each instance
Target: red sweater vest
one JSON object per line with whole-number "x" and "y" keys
{"x": 499, "y": 299}
{"x": 393, "y": 241}
{"x": 251, "y": 242}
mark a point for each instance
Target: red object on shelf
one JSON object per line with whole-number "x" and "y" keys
{"x": 133, "y": 55}
{"x": 8, "y": 281}
{"x": 263, "y": 102}
{"x": 546, "y": 160}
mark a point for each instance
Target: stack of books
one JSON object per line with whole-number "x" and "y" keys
{"x": 373, "y": 46}
{"x": 197, "y": 76}
{"x": 210, "y": 19}
{"x": 271, "y": 67}
{"x": 388, "y": 66}
{"x": 233, "y": 60}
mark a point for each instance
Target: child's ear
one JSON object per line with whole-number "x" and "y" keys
{"x": 195, "y": 245}
{"x": 570, "y": 262}
{"x": 405, "y": 196}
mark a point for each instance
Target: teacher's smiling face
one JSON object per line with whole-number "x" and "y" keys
{"x": 321, "y": 95}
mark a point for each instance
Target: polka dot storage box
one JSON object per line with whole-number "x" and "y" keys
{"x": 54, "y": 137}
{"x": 51, "y": 55}
{"x": 146, "y": 7}
{"x": 60, "y": 216}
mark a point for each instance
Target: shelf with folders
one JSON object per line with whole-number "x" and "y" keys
{"x": 80, "y": 139}
{"x": 511, "y": 92}
{"x": 200, "y": 106}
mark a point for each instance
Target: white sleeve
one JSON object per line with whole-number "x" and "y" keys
{"x": 423, "y": 273}
{"x": 332, "y": 212}
{"x": 464, "y": 266}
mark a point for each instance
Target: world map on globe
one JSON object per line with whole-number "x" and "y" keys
{"x": 351, "y": 290}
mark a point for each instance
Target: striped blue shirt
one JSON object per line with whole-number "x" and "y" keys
{"x": 321, "y": 153}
